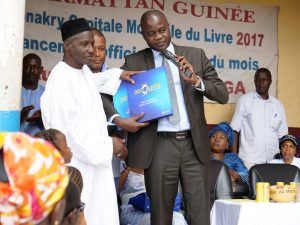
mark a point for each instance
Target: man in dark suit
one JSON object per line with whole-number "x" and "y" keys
{"x": 171, "y": 152}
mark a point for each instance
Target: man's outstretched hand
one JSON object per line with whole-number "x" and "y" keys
{"x": 130, "y": 124}
{"x": 125, "y": 75}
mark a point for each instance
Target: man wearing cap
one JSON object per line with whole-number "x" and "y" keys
{"x": 288, "y": 145}
{"x": 71, "y": 103}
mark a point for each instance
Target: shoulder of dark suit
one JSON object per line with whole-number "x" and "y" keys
{"x": 178, "y": 49}
{"x": 139, "y": 53}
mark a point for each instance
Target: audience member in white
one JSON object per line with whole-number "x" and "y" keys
{"x": 288, "y": 148}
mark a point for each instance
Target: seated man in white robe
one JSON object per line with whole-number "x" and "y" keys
{"x": 71, "y": 103}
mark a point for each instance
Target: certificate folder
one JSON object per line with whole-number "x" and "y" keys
{"x": 149, "y": 94}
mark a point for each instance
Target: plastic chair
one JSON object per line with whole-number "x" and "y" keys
{"x": 272, "y": 173}
{"x": 220, "y": 182}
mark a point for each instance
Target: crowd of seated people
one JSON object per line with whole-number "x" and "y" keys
{"x": 221, "y": 138}
{"x": 135, "y": 207}
{"x": 135, "y": 204}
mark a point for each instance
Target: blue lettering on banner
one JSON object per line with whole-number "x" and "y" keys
{"x": 133, "y": 27}
{"x": 116, "y": 51}
{"x": 175, "y": 32}
{"x": 44, "y": 19}
{"x": 216, "y": 62}
{"x": 235, "y": 64}
{"x": 105, "y": 25}
{"x": 43, "y": 45}
{"x": 192, "y": 35}
{"x": 214, "y": 37}
{"x": 249, "y": 64}
{"x": 102, "y": 25}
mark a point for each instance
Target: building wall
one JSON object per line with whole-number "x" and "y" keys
{"x": 289, "y": 60}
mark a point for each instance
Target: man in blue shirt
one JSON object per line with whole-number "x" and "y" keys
{"x": 31, "y": 119}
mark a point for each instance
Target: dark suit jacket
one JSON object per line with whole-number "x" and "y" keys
{"x": 141, "y": 144}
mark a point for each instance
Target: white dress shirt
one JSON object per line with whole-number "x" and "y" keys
{"x": 260, "y": 123}
{"x": 163, "y": 123}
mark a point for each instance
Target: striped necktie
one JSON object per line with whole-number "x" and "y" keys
{"x": 175, "y": 118}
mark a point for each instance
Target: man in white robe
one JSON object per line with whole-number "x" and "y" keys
{"x": 71, "y": 103}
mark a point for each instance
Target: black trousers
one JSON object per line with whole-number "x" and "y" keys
{"x": 176, "y": 160}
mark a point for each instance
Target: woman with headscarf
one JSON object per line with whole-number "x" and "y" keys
{"x": 33, "y": 181}
{"x": 221, "y": 137}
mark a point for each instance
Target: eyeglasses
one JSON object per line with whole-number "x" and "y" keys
{"x": 81, "y": 207}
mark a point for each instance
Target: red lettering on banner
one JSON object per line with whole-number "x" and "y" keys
{"x": 143, "y": 4}
{"x": 111, "y": 3}
{"x": 214, "y": 12}
{"x": 84, "y": 2}
{"x": 249, "y": 16}
{"x": 237, "y": 88}
{"x": 247, "y": 39}
{"x": 181, "y": 7}
{"x": 236, "y": 15}
{"x": 99, "y": 3}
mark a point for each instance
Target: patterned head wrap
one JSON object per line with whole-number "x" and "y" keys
{"x": 225, "y": 128}
{"x": 37, "y": 179}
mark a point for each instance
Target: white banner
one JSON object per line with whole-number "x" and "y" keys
{"x": 238, "y": 39}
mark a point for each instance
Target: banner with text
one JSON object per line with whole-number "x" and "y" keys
{"x": 238, "y": 39}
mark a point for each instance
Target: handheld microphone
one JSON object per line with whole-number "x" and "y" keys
{"x": 171, "y": 57}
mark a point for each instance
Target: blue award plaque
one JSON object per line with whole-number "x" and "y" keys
{"x": 121, "y": 101}
{"x": 150, "y": 94}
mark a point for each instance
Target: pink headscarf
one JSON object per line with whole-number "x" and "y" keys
{"x": 37, "y": 179}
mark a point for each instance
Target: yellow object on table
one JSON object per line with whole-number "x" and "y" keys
{"x": 286, "y": 193}
{"x": 262, "y": 192}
